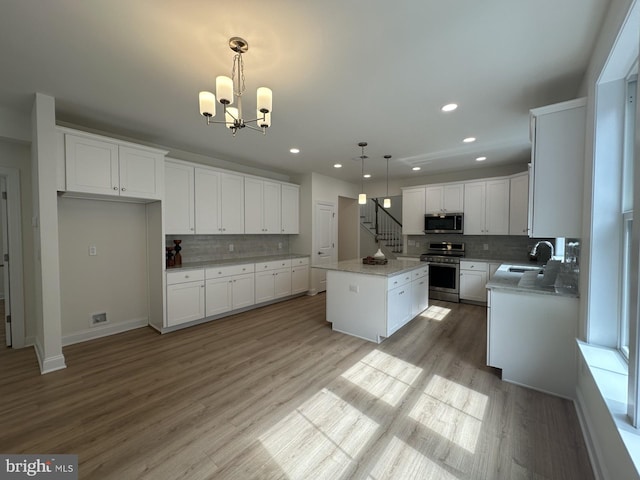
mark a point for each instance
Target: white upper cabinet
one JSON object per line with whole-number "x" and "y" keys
{"x": 178, "y": 199}
{"x": 557, "y": 165}
{"x": 263, "y": 206}
{"x": 518, "y": 204}
{"x": 486, "y": 207}
{"x": 100, "y": 166}
{"x": 232, "y": 206}
{"x": 207, "y": 201}
{"x": 413, "y": 210}
{"x": 290, "y": 199}
{"x": 447, "y": 198}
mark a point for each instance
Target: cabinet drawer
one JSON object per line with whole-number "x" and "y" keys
{"x": 420, "y": 272}
{"x": 229, "y": 270}
{"x": 398, "y": 280}
{"x": 464, "y": 265}
{"x": 183, "y": 276}
{"x": 300, "y": 261}
{"x": 262, "y": 267}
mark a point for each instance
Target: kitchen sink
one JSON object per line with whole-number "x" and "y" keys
{"x": 519, "y": 269}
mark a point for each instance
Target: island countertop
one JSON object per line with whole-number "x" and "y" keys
{"x": 392, "y": 267}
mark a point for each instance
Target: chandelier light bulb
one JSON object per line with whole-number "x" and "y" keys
{"x": 224, "y": 90}
{"x": 207, "y": 104}
{"x": 264, "y": 99}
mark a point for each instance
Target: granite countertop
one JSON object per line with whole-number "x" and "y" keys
{"x": 393, "y": 267}
{"x": 236, "y": 261}
{"x": 565, "y": 285}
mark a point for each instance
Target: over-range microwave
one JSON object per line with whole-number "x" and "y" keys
{"x": 443, "y": 223}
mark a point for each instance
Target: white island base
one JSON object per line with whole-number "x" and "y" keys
{"x": 374, "y": 306}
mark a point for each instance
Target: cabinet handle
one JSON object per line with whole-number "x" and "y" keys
{"x": 123, "y": 189}
{"x": 191, "y": 229}
{"x": 115, "y": 188}
{"x": 186, "y": 276}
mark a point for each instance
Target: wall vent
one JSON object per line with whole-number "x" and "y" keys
{"x": 99, "y": 318}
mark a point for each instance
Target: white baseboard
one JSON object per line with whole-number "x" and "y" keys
{"x": 585, "y": 426}
{"x": 103, "y": 331}
{"x": 50, "y": 364}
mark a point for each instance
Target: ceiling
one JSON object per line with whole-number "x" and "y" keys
{"x": 341, "y": 72}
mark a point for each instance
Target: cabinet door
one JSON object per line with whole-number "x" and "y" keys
{"x": 473, "y": 285}
{"x": 141, "y": 173}
{"x": 265, "y": 289}
{"x": 185, "y": 302}
{"x": 91, "y": 166}
{"x": 398, "y": 307}
{"x": 243, "y": 290}
{"x": 419, "y": 295}
{"x": 453, "y": 198}
{"x": 557, "y": 165}
{"x": 218, "y": 296}
{"x": 474, "y": 208}
{"x": 282, "y": 282}
{"x": 207, "y": 202}
{"x": 518, "y": 204}
{"x": 179, "y": 199}
{"x": 253, "y": 221}
{"x": 497, "y": 207}
{"x": 413, "y": 210}
{"x": 299, "y": 279}
{"x": 290, "y": 210}
{"x": 271, "y": 207}
{"x": 433, "y": 199}
{"x": 232, "y": 203}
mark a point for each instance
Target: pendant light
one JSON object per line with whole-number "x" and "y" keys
{"x": 386, "y": 203}
{"x": 362, "y": 198}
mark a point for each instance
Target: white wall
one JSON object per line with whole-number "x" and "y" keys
{"x": 603, "y": 439}
{"x": 113, "y": 281}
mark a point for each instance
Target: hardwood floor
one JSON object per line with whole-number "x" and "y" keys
{"x": 275, "y": 393}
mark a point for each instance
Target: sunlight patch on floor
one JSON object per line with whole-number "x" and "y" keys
{"x": 451, "y": 410}
{"x": 400, "y": 461}
{"x": 320, "y": 439}
{"x": 435, "y": 312}
{"x": 384, "y": 376}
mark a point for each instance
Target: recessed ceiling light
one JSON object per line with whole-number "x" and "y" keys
{"x": 415, "y": 169}
{"x": 367, "y": 175}
{"x": 294, "y": 150}
{"x": 449, "y": 107}
{"x": 469, "y": 139}
{"x": 481, "y": 159}
{"x": 337, "y": 165}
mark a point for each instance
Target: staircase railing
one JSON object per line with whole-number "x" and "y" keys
{"x": 385, "y": 227}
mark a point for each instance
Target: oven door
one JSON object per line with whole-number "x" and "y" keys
{"x": 444, "y": 281}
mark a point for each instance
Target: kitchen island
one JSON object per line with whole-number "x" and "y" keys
{"x": 374, "y": 301}
{"x": 532, "y": 323}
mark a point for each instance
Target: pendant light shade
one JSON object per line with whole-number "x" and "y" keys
{"x": 386, "y": 203}
{"x": 362, "y": 198}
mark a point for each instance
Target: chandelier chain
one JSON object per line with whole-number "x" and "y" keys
{"x": 238, "y": 65}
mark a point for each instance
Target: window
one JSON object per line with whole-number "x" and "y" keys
{"x": 627, "y": 214}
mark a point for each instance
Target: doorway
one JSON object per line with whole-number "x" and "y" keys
{"x": 324, "y": 242}
{"x": 11, "y": 259}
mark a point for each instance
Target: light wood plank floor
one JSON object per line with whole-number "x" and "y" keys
{"x": 274, "y": 393}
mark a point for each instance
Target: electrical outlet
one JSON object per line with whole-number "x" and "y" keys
{"x": 93, "y": 250}
{"x": 279, "y": 245}
{"x": 485, "y": 246}
{"x": 354, "y": 288}
{"x": 98, "y": 318}
{"x": 231, "y": 247}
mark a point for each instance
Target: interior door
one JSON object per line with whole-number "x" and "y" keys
{"x": 324, "y": 241}
{"x": 4, "y": 261}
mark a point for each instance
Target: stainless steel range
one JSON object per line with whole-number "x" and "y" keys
{"x": 444, "y": 270}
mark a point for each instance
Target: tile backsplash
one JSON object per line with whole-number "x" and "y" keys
{"x": 205, "y": 248}
{"x": 498, "y": 247}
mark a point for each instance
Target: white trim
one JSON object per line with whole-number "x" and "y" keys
{"x": 48, "y": 365}
{"x": 589, "y": 440}
{"x": 16, "y": 268}
{"x": 103, "y": 331}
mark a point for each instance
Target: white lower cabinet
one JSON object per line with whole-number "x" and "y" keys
{"x": 185, "y": 297}
{"x": 419, "y": 291}
{"x": 299, "y": 275}
{"x": 473, "y": 281}
{"x": 398, "y": 307}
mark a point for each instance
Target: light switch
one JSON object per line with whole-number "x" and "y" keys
{"x": 93, "y": 250}
{"x": 354, "y": 288}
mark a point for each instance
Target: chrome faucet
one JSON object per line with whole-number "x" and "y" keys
{"x": 534, "y": 251}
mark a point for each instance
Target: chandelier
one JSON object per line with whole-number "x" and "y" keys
{"x": 231, "y": 89}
